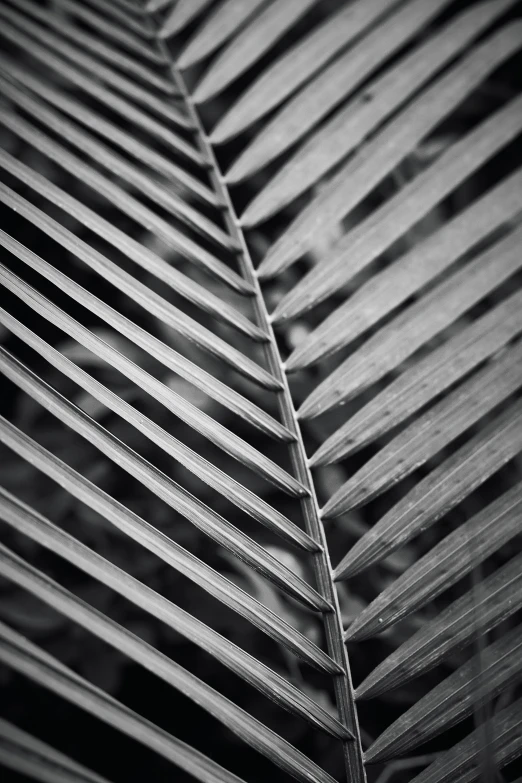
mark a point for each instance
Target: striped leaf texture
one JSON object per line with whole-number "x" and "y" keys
{"x": 261, "y": 420}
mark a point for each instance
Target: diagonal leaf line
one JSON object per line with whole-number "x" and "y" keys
{"x": 453, "y": 699}
{"x": 130, "y": 113}
{"x": 165, "y": 548}
{"x": 434, "y": 430}
{"x": 174, "y": 402}
{"x": 126, "y": 40}
{"x": 293, "y": 69}
{"x": 443, "y": 565}
{"x": 236, "y": 719}
{"x": 225, "y": 21}
{"x": 31, "y": 523}
{"x": 124, "y": 12}
{"x": 406, "y": 277}
{"x": 144, "y": 216}
{"x": 196, "y": 512}
{"x": 104, "y": 73}
{"x": 456, "y": 626}
{"x": 442, "y": 489}
{"x": 464, "y": 762}
{"x": 20, "y": 654}
{"x": 249, "y": 45}
{"x": 375, "y": 102}
{"x": 23, "y": 753}
{"x": 96, "y": 46}
{"x": 391, "y": 26}
{"x": 183, "y": 12}
{"x": 114, "y": 163}
{"x": 166, "y": 355}
{"x": 221, "y": 482}
{"x": 132, "y": 287}
{"x": 92, "y": 119}
{"x": 429, "y": 316}
{"x": 389, "y": 147}
{"x": 385, "y": 226}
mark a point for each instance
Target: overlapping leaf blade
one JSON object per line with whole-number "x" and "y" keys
{"x": 169, "y": 314}
{"x": 375, "y": 235}
{"x": 499, "y": 598}
{"x": 38, "y": 527}
{"x": 172, "y": 493}
{"x": 389, "y": 147}
{"x": 135, "y": 648}
{"x": 173, "y": 401}
{"x": 206, "y": 471}
{"x": 441, "y": 490}
{"x": 449, "y": 561}
{"x": 405, "y": 277}
{"x": 23, "y": 753}
{"x": 326, "y": 91}
{"x": 293, "y": 69}
{"x": 351, "y": 125}
{"x": 250, "y": 45}
{"x": 225, "y": 21}
{"x": 435, "y": 430}
{"x": 165, "y": 548}
{"x": 463, "y": 763}
{"x": 429, "y": 316}
{"x": 480, "y": 679}
{"x": 162, "y": 352}
{"x": 179, "y": 16}
{"x": 26, "y": 658}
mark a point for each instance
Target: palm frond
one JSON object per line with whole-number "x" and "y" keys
{"x": 174, "y": 171}
{"x": 169, "y": 551}
{"x": 45, "y": 670}
{"x": 488, "y": 674}
{"x": 456, "y": 626}
{"x": 463, "y": 762}
{"x": 23, "y": 753}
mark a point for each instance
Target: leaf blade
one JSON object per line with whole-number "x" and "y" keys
{"x": 23, "y": 753}
{"x": 443, "y": 565}
{"x": 456, "y": 626}
{"x": 318, "y": 98}
{"x": 200, "y": 467}
{"x": 174, "y": 402}
{"x": 463, "y": 762}
{"x": 435, "y": 430}
{"x": 226, "y": 20}
{"x": 236, "y": 719}
{"x": 478, "y": 680}
{"x": 163, "y": 547}
{"x": 291, "y": 70}
{"x": 425, "y": 319}
{"x": 399, "y": 136}
{"x": 353, "y": 123}
{"x": 384, "y": 227}
{"x": 168, "y": 490}
{"x": 170, "y": 315}
{"x": 167, "y": 356}
{"x": 26, "y": 658}
{"x": 249, "y": 45}
{"x": 454, "y": 479}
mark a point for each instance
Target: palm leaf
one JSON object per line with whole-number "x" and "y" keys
{"x": 43, "y": 669}
{"x": 23, "y": 753}
{"x": 136, "y": 324}
{"x": 456, "y": 696}
{"x": 462, "y": 763}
